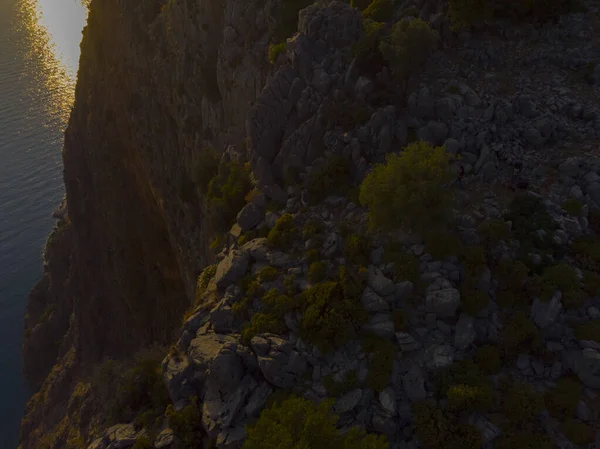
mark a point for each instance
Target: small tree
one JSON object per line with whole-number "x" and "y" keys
{"x": 297, "y": 423}
{"x": 409, "y": 189}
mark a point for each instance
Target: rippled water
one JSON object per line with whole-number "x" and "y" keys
{"x": 39, "y": 50}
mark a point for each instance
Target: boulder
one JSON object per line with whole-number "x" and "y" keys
{"x": 231, "y": 269}
{"x": 444, "y": 303}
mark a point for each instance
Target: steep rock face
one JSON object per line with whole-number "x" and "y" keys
{"x": 157, "y": 82}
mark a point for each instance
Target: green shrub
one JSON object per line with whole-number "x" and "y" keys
{"x": 317, "y": 272}
{"x": 474, "y": 260}
{"x": 586, "y": 251}
{"x": 360, "y": 4}
{"x": 284, "y": 232}
{"x": 435, "y": 429}
{"x": 186, "y": 423}
{"x": 287, "y": 18}
{"x": 579, "y": 433}
{"x": 268, "y": 274}
{"x": 347, "y": 115}
{"x": 572, "y": 207}
{"x": 226, "y": 193}
{"x": 528, "y": 215}
{"x": 562, "y": 400}
{"x": 331, "y": 178}
{"x": 299, "y": 423}
{"x": 520, "y": 334}
{"x": 591, "y": 283}
{"x": 562, "y": 277}
{"x": 313, "y": 255}
{"x": 489, "y": 359}
{"x": 381, "y": 362}
{"x": 523, "y": 440}
{"x": 411, "y": 43}
{"x": 469, "y": 398}
{"x": 521, "y": 404}
{"x": 312, "y": 228}
{"x": 204, "y": 279}
{"x": 263, "y": 323}
{"x": 408, "y": 190}
{"x": 511, "y": 274}
{"x": 275, "y": 50}
{"x": 379, "y": 10}
{"x": 494, "y": 230}
{"x": 589, "y": 330}
{"x": 473, "y": 300}
{"x": 143, "y": 443}
{"x": 463, "y": 372}
{"x": 206, "y": 166}
{"x": 332, "y": 312}
{"x": 357, "y": 249}
{"x": 441, "y": 245}
{"x": 367, "y": 49}
{"x": 406, "y": 265}
{"x": 337, "y": 389}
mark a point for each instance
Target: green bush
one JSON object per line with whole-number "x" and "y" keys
{"x": 317, "y": 272}
{"x": 263, "y": 323}
{"x": 591, "y": 283}
{"x": 275, "y": 50}
{"x": 299, "y": 423}
{"x": 441, "y": 245}
{"x": 143, "y": 443}
{"x": 367, "y": 49}
{"x": 489, "y": 359}
{"x": 204, "y": 279}
{"x": 579, "y": 433}
{"x": 284, "y": 232}
{"x": 331, "y": 178}
{"x": 519, "y": 334}
{"x": 469, "y": 398}
{"x": 226, "y": 193}
{"x": 559, "y": 277}
{"x": 206, "y": 166}
{"x": 411, "y": 43}
{"x": 313, "y": 255}
{"x": 268, "y": 274}
{"x": 511, "y": 274}
{"x": 360, "y": 4}
{"x": 357, "y": 249}
{"x": 494, "y": 230}
{"x": 332, "y": 312}
{"x": 312, "y": 228}
{"x": 521, "y": 404}
{"x": 562, "y": 400}
{"x": 287, "y": 18}
{"x": 408, "y": 190}
{"x": 186, "y": 423}
{"x": 523, "y": 440}
{"x": 463, "y": 372}
{"x": 379, "y": 10}
{"x": 588, "y": 331}
{"x": 435, "y": 429}
{"x": 586, "y": 251}
{"x": 473, "y": 300}
{"x": 347, "y": 115}
{"x": 572, "y": 207}
{"x": 406, "y": 265}
{"x": 381, "y": 361}
{"x": 474, "y": 260}
{"x": 337, "y": 389}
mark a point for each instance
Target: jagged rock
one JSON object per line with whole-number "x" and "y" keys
{"x": 331, "y": 245}
{"x": 249, "y": 216}
{"x": 275, "y": 193}
{"x": 99, "y": 443}
{"x": 231, "y": 269}
{"x": 121, "y": 436}
{"x": 443, "y": 303}
{"x": 380, "y": 284}
{"x": 414, "y": 384}
{"x": 282, "y": 366}
{"x": 381, "y": 324}
{"x": 387, "y": 399}
{"x": 439, "y": 356}
{"x": 406, "y": 342}
{"x": 545, "y": 313}
{"x": 403, "y": 291}
{"x": 383, "y": 423}
{"x": 166, "y": 439}
{"x": 465, "y": 332}
{"x": 260, "y": 345}
{"x": 377, "y": 255}
{"x": 232, "y": 438}
{"x": 489, "y": 431}
{"x": 257, "y": 400}
{"x": 176, "y": 371}
{"x": 221, "y": 318}
{"x": 257, "y": 249}
{"x": 372, "y": 302}
{"x": 348, "y": 401}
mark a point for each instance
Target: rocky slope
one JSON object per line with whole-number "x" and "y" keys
{"x": 159, "y": 81}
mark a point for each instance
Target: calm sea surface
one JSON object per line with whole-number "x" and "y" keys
{"x": 39, "y": 51}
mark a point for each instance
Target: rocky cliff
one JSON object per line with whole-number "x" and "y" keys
{"x": 159, "y": 82}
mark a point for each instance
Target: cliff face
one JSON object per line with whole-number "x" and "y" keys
{"x": 156, "y": 82}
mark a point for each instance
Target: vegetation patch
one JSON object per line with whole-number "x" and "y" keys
{"x": 381, "y": 361}
{"x": 317, "y": 272}
{"x": 275, "y": 50}
{"x": 186, "y": 423}
{"x": 357, "y": 249}
{"x": 337, "y": 389}
{"x": 332, "y": 178}
{"x": 561, "y": 401}
{"x": 588, "y": 331}
{"x": 284, "y": 232}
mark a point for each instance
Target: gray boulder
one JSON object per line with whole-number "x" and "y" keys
{"x": 249, "y": 216}
{"x": 444, "y": 303}
{"x": 544, "y": 313}
{"x": 381, "y": 284}
{"x": 413, "y": 383}
{"x": 372, "y": 302}
{"x": 232, "y": 268}
{"x": 465, "y": 332}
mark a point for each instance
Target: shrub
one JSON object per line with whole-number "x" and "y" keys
{"x": 186, "y": 423}
{"x": 337, "y": 389}
{"x": 313, "y": 255}
{"x": 360, "y": 4}
{"x": 488, "y": 359}
{"x": 523, "y": 440}
{"x": 406, "y": 266}
{"x": 494, "y": 230}
{"x": 435, "y": 429}
{"x": 143, "y": 443}
{"x": 521, "y": 404}
{"x": 411, "y": 43}
{"x": 206, "y": 166}
{"x": 331, "y": 178}
{"x": 297, "y": 422}
{"x": 408, "y": 190}
{"x": 275, "y": 50}
{"x": 586, "y": 250}
{"x": 474, "y": 259}
{"x": 317, "y": 272}
{"x": 357, "y": 249}
{"x": 579, "y": 433}
{"x": 473, "y": 300}
{"x": 381, "y": 361}
{"x": 512, "y": 274}
{"x": 312, "y": 228}
{"x": 204, "y": 279}
{"x": 588, "y": 331}
{"x": 366, "y": 49}
{"x": 268, "y": 274}
{"x": 562, "y": 277}
{"x": 519, "y": 334}
{"x": 287, "y": 18}
{"x": 441, "y": 245}
{"x": 591, "y": 283}
{"x": 284, "y": 232}
{"x": 469, "y": 398}
{"x": 332, "y": 313}
{"x": 562, "y": 400}
{"x": 346, "y": 115}
{"x": 226, "y": 193}
{"x": 379, "y": 10}
{"x": 572, "y": 206}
